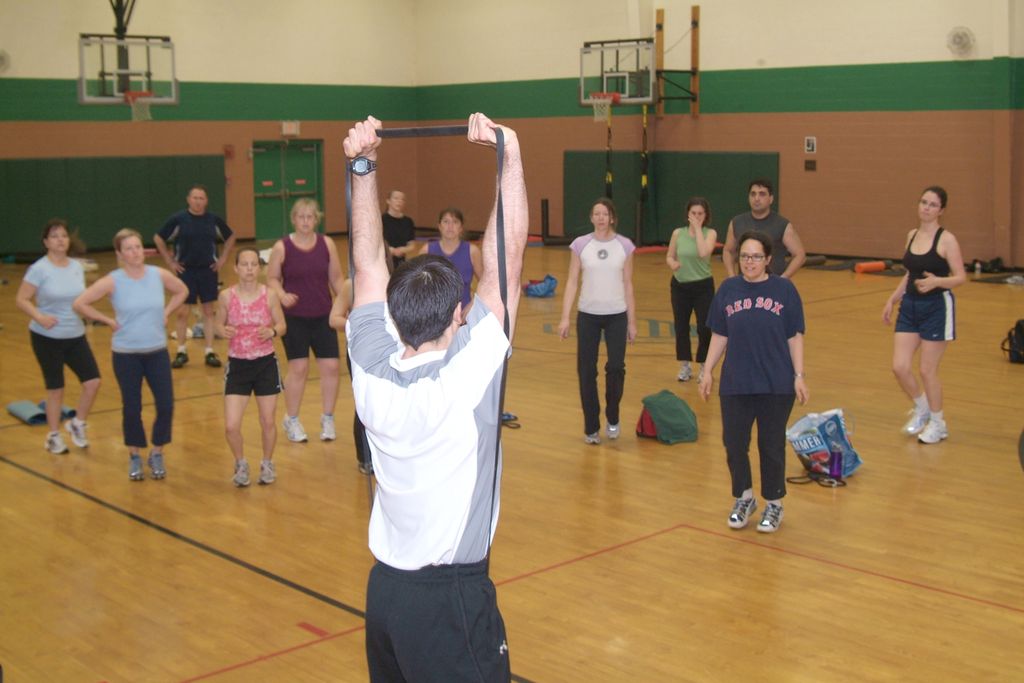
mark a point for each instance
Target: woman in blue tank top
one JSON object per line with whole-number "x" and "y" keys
{"x": 57, "y": 333}
{"x": 926, "y": 319}
{"x": 139, "y": 344}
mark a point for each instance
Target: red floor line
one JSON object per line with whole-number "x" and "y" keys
{"x": 574, "y": 560}
{"x": 794, "y": 553}
{"x": 272, "y": 655}
{"x": 313, "y": 629}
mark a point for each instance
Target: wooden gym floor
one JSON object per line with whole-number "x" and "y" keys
{"x": 613, "y": 563}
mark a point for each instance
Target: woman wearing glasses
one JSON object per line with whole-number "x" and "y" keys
{"x": 759, "y": 317}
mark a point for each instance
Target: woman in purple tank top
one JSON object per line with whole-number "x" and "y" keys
{"x": 465, "y": 256}
{"x": 926, "y": 318}
{"x": 304, "y": 270}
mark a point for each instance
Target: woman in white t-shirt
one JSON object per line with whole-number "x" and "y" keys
{"x": 58, "y": 333}
{"x": 606, "y": 305}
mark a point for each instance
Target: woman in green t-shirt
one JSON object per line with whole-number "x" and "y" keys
{"x": 689, "y": 257}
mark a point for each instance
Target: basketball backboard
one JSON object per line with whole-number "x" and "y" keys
{"x": 109, "y": 67}
{"x": 624, "y": 66}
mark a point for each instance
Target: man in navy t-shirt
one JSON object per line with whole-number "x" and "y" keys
{"x": 195, "y": 233}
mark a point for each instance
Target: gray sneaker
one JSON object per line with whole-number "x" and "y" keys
{"x": 135, "y": 468}
{"x": 613, "y": 432}
{"x": 76, "y": 428}
{"x": 685, "y": 373}
{"x": 241, "y": 477}
{"x": 592, "y": 439}
{"x": 267, "y": 473}
{"x": 156, "y": 465}
{"x": 55, "y": 443}
{"x": 741, "y": 511}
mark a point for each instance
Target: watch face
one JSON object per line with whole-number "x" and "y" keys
{"x": 362, "y": 166}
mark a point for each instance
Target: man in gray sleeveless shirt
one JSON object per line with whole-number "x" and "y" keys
{"x": 785, "y": 240}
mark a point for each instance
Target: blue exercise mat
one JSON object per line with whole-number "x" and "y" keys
{"x": 35, "y": 413}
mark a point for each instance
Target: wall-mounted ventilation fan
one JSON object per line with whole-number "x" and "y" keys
{"x": 960, "y": 41}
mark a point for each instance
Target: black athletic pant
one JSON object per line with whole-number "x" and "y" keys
{"x": 438, "y": 624}
{"x": 588, "y": 341}
{"x": 771, "y": 412}
{"x": 358, "y": 430}
{"x": 687, "y": 298}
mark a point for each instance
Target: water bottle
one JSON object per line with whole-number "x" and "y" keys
{"x": 835, "y": 461}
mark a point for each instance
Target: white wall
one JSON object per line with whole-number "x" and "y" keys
{"x": 427, "y": 42}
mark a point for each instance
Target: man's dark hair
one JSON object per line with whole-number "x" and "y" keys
{"x": 763, "y": 182}
{"x": 422, "y": 295}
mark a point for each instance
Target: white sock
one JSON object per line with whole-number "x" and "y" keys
{"x": 938, "y": 416}
{"x": 209, "y": 349}
{"x": 921, "y": 404}
{"x": 748, "y": 494}
{"x": 181, "y": 348}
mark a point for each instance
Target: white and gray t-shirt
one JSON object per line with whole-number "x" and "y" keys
{"x": 432, "y": 423}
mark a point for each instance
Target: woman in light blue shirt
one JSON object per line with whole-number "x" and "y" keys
{"x": 58, "y": 334}
{"x": 139, "y": 344}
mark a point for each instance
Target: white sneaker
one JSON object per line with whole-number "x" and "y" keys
{"x": 916, "y": 423}
{"x": 771, "y": 520}
{"x": 327, "y": 432}
{"x": 592, "y": 439}
{"x": 76, "y": 428}
{"x": 685, "y": 373}
{"x": 55, "y": 443}
{"x": 934, "y": 432}
{"x": 613, "y": 432}
{"x": 293, "y": 428}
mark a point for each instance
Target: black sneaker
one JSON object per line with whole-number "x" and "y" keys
{"x": 212, "y": 360}
{"x": 179, "y": 360}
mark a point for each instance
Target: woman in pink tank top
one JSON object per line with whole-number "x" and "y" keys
{"x": 250, "y": 317}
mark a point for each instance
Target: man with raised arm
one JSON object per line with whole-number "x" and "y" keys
{"x": 785, "y": 240}
{"x": 428, "y": 391}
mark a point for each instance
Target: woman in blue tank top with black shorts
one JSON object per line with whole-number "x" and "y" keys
{"x": 926, "y": 318}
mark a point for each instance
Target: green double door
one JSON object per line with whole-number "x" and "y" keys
{"x": 283, "y": 171}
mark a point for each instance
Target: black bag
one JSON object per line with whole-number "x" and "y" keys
{"x": 1013, "y": 345}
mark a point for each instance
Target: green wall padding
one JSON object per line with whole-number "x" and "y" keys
{"x": 983, "y": 84}
{"x": 720, "y": 177}
{"x": 99, "y": 196}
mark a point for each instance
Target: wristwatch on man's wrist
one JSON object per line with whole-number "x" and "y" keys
{"x": 362, "y": 166}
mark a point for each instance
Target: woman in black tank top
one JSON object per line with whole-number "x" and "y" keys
{"x": 926, "y": 315}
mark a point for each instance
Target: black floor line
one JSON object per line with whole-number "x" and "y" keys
{"x": 203, "y": 547}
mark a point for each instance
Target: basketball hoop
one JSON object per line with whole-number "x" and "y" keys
{"x": 602, "y": 103}
{"x": 139, "y": 101}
